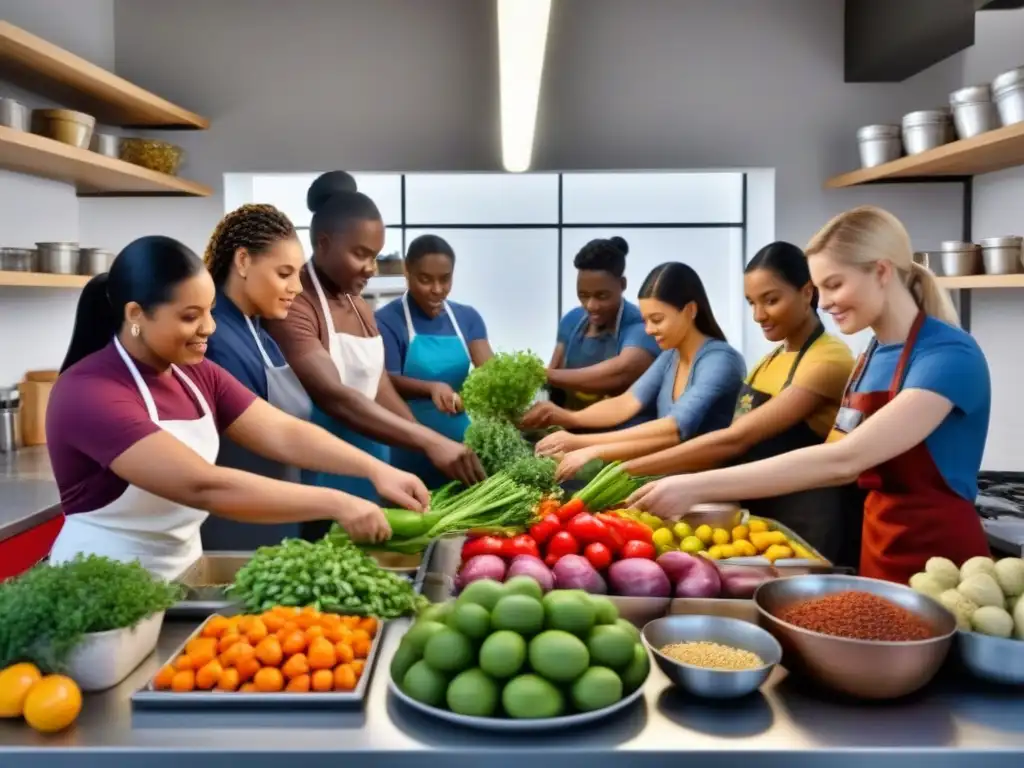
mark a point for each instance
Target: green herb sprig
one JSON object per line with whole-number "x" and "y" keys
{"x": 504, "y": 386}
{"x": 496, "y": 442}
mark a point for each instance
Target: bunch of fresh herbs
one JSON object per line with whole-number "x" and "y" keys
{"x": 537, "y": 472}
{"x": 45, "y": 612}
{"x": 504, "y": 387}
{"x": 496, "y": 442}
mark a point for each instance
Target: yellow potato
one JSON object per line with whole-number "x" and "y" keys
{"x": 703, "y": 533}
{"x": 757, "y": 525}
{"x": 740, "y": 533}
{"x": 720, "y": 536}
{"x": 778, "y": 552}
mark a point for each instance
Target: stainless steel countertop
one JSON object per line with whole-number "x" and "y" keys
{"x": 954, "y": 722}
{"x": 28, "y": 492}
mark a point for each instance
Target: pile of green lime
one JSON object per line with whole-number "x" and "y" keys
{"x": 508, "y": 650}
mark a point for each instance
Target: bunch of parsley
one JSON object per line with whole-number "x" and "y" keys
{"x": 45, "y": 612}
{"x": 496, "y": 442}
{"x": 504, "y": 387}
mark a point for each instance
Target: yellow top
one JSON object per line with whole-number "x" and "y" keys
{"x": 824, "y": 370}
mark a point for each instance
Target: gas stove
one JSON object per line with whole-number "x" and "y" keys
{"x": 1000, "y": 502}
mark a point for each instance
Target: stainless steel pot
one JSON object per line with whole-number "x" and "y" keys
{"x": 10, "y": 420}
{"x": 1008, "y": 94}
{"x": 1001, "y": 255}
{"x": 960, "y": 259}
{"x": 94, "y": 261}
{"x": 105, "y": 144}
{"x": 18, "y": 260}
{"x": 930, "y": 259}
{"x": 974, "y": 112}
{"x": 58, "y": 258}
{"x": 15, "y": 115}
{"x": 879, "y": 144}
{"x": 926, "y": 129}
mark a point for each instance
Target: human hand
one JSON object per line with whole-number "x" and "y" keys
{"x": 362, "y": 520}
{"x": 446, "y": 399}
{"x": 456, "y": 461}
{"x": 558, "y": 443}
{"x": 669, "y": 498}
{"x": 546, "y": 414}
{"x": 402, "y": 488}
{"x": 573, "y": 462}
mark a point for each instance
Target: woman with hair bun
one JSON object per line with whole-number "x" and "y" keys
{"x": 331, "y": 341}
{"x": 602, "y": 347}
{"x": 912, "y": 426}
{"x": 135, "y": 420}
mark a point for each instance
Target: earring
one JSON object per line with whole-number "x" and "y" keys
{"x": 136, "y": 330}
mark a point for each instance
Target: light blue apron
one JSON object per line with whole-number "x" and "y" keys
{"x": 360, "y": 364}
{"x": 433, "y": 358}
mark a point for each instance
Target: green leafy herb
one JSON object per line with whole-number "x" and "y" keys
{"x": 610, "y": 487}
{"x": 504, "y": 386}
{"x": 45, "y": 612}
{"x": 537, "y": 472}
{"x": 332, "y": 574}
{"x": 496, "y": 442}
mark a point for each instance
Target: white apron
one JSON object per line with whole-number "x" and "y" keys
{"x": 283, "y": 388}
{"x": 162, "y": 535}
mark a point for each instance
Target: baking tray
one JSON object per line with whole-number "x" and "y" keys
{"x": 149, "y": 699}
{"x": 791, "y": 566}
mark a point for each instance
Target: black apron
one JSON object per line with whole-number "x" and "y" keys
{"x": 829, "y": 519}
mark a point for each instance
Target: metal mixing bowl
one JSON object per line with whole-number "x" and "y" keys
{"x": 866, "y": 669}
{"x": 712, "y": 683}
{"x": 992, "y": 658}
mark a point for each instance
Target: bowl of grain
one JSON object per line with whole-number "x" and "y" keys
{"x": 712, "y": 656}
{"x": 865, "y": 638}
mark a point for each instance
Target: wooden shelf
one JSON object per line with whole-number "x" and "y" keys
{"x": 91, "y": 173}
{"x": 42, "y": 280}
{"x": 968, "y": 282}
{"x": 991, "y": 151}
{"x": 44, "y": 68}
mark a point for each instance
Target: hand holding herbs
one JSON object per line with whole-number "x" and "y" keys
{"x": 503, "y": 387}
{"x": 610, "y": 487}
{"x": 45, "y": 612}
{"x": 332, "y": 574}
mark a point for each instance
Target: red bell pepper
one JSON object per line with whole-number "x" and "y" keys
{"x": 570, "y": 509}
{"x": 563, "y": 543}
{"x": 598, "y": 555}
{"x": 520, "y": 545}
{"x": 590, "y": 529}
{"x": 545, "y": 528}
{"x": 643, "y": 550}
{"x": 484, "y": 545}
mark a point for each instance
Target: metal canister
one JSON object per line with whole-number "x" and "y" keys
{"x": 10, "y": 420}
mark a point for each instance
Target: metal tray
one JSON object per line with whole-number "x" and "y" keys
{"x": 508, "y": 724}
{"x": 150, "y": 699}
{"x": 790, "y": 566}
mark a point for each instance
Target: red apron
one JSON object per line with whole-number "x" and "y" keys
{"x": 910, "y": 513}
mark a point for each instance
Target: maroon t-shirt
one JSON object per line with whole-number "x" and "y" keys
{"x": 96, "y": 413}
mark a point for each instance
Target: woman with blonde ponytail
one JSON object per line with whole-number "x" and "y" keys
{"x": 914, "y": 418}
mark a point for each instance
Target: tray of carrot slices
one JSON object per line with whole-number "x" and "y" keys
{"x": 283, "y": 658}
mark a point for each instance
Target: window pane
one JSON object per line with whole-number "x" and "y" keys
{"x": 392, "y": 241}
{"x": 716, "y": 254}
{"x": 652, "y": 198}
{"x": 511, "y": 278}
{"x": 481, "y": 198}
{"x": 288, "y": 192}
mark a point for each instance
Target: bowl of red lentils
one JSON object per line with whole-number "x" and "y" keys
{"x": 866, "y": 638}
{"x": 716, "y": 657}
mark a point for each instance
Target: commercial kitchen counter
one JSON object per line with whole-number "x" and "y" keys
{"x": 955, "y": 722}
{"x": 28, "y": 493}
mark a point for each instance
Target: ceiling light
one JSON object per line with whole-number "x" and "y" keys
{"x": 522, "y": 39}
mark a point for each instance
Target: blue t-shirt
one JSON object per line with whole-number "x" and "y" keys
{"x": 709, "y": 400}
{"x": 949, "y": 362}
{"x": 233, "y": 347}
{"x": 395, "y": 332}
{"x": 631, "y": 334}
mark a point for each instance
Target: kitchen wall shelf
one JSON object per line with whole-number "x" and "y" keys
{"x": 42, "y": 280}
{"x": 59, "y": 75}
{"x": 91, "y": 173}
{"x": 991, "y": 151}
{"x": 971, "y": 282}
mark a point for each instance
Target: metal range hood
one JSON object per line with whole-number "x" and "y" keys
{"x": 887, "y": 41}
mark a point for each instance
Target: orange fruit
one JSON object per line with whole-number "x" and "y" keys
{"x": 229, "y": 680}
{"x": 300, "y": 684}
{"x": 369, "y": 625}
{"x": 323, "y": 680}
{"x": 52, "y": 704}
{"x": 321, "y": 654}
{"x": 361, "y": 647}
{"x": 343, "y": 653}
{"x": 248, "y": 688}
{"x": 15, "y": 683}
{"x": 215, "y": 626}
{"x": 269, "y": 651}
{"x": 183, "y": 681}
{"x": 338, "y": 634}
{"x": 272, "y": 621}
{"x": 330, "y": 620}
{"x": 247, "y": 668}
{"x": 269, "y": 680}
{"x": 203, "y": 650}
{"x": 293, "y": 643}
{"x": 296, "y": 666}
{"x": 183, "y": 663}
{"x": 243, "y": 652}
{"x": 209, "y": 675}
{"x": 358, "y": 666}
{"x": 315, "y": 631}
{"x": 345, "y": 678}
{"x": 256, "y": 631}
{"x": 285, "y": 610}
{"x": 162, "y": 681}
{"x": 227, "y": 640}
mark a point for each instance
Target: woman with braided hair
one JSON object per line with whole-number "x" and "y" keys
{"x": 255, "y": 260}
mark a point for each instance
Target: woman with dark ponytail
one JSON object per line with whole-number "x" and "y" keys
{"x": 692, "y": 385}
{"x": 134, "y": 424}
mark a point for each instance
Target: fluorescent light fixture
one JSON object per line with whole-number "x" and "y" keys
{"x": 522, "y": 40}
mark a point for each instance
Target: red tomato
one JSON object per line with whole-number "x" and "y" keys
{"x": 587, "y": 529}
{"x": 521, "y": 545}
{"x": 598, "y": 555}
{"x": 570, "y": 509}
{"x": 484, "y": 545}
{"x": 545, "y": 528}
{"x": 550, "y": 560}
{"x": 639, "y": 549}
{"x": 563, "y": 543}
